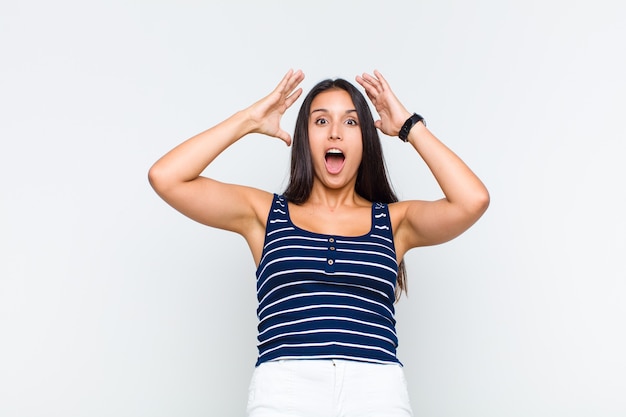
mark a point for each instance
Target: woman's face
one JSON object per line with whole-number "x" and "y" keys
{"x": 335, "y": 138}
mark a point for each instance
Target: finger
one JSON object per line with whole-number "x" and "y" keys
{"x": 377, "y": 89}
{"x": 372, "y": 80}
{"x": 365, "y": 80}
{"x": 370, "y": 90}
{"x": 361, "y": 82}
{"x": 284, "y": 136}
{"x": 284, "y": 81}
{"x": 293, "y": 97}
{"x": 383, "y": 82}
{"x": 292, "y": 81}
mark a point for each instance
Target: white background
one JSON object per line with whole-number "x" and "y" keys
{"x": 113, "y": 304}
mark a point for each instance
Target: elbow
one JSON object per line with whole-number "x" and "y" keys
{"x": 474, "y": 205}
{"x": 480, "y": 203}
{"x": 157, "y": 178}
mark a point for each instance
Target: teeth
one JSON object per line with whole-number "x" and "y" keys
{"x": 334, "y": 151}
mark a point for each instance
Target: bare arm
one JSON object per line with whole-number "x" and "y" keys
{"x": 421, "y": 223}
{"x": 176, "y": 176}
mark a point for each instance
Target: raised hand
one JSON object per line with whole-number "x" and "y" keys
{"x": 267, "y": 112}
{"x": 392, "y": 113}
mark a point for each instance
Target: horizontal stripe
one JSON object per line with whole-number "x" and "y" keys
{"x": 313, "y": 319}
{"x": 294, "y": 272}
{"x": 337, "y": 295}
{"x": 279, "y": 230}
{"x": 385, "y": 246}
{"x": 263, "y": 300}
{"x": 317, "y": 331}
{"x": 346, "y": 357}
{"x": 352, "y": 345}
{"x": 361, "y": 263}
{"x": 314, "y": 306}
{"x": 290, "y": 258}
{"x": 285, "y": 248}
{"x": 276, "y": 240}
{"x": 372, "y": 253}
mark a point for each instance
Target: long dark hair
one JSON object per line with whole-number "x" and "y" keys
{"x": 372, "y": 181}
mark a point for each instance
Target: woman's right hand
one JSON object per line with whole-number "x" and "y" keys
{"x": 266, "y": 113}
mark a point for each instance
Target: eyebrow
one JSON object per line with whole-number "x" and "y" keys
{"x": 326, "y": 110}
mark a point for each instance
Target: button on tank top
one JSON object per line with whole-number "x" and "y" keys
{"x": 325, "y": 296}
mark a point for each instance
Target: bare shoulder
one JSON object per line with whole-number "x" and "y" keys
{"x": 260, "y": 202}
{"x": 253, "y": 204}
{"x": 404, "y": 234}
{"x": 400, "y": 210}
{"x": 424, "y": 223}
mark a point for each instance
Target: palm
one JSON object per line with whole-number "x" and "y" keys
{"x": 268, "y": 112}
{"x": 392, "y": 113}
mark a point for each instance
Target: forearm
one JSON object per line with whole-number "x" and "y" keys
{"x": 459, "y": 184}
{"x": 187, "y": 161}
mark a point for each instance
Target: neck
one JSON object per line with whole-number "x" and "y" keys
{"x": 335, "y": 198}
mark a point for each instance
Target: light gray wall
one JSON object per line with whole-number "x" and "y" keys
{"x": 113, "y": 304}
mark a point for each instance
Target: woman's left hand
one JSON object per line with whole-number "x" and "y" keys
{"x": 392, "y": 113}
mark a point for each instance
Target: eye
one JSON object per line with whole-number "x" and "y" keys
{"x": 321, "y": 121}
{"x": 352, "y": 122}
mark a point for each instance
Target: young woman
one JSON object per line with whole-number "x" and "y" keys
{"x": 329, "y": 249}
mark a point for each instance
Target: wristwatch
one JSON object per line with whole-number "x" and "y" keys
{"x": 408, "y": 125}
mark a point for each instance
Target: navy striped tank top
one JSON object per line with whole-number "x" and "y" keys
{"x": 326, "y": 297}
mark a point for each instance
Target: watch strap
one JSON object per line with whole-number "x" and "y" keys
{"x": 408, "y": 125}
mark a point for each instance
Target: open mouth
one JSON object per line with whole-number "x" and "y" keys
{"x": 334, "y": 160}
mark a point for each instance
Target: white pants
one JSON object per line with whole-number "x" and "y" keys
{"x": 328, "y": 388}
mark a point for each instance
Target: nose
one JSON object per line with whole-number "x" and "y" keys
{"x": 334, "y": 134}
